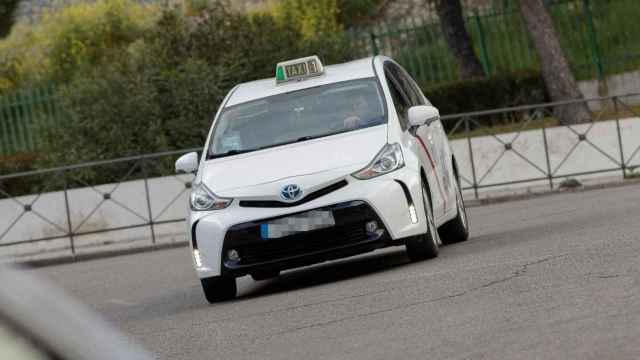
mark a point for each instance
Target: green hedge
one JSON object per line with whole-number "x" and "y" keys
{"x": 520, "y": 88}
{"x": 161, "y": 92}
{"x": 14, "y": 164}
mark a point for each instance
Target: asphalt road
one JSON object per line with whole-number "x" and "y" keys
{"x": 548, "y": 278}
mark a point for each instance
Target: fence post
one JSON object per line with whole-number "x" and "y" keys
{"x": 4, "y": 125}
{"x": 623, "y": 166}
{"x": 146, "y": 191}
{"x": 593, "y": 40}
{"x": 68, "y": 211}
{"x": 374, "y": 44}
{"x": 546, "y": 154}
{"x": 484, "y": 53}
{"x": 473, "y": 165}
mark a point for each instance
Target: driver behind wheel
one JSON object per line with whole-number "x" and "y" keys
{"x": 356, "y": 116}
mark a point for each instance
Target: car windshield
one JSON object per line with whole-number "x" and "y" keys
{"x": 298, "y": 116}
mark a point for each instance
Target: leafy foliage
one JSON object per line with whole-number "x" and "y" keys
{"x": 162, "y": 90}
{"x": 68, "y": 40}
{"x": 525, "y": 87}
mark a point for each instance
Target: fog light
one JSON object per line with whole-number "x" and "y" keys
{"x": 197, "y": 258}
{"x": 371, "y": 226}
{"x": 233, "y": 255}
{"x": 413, "y": 214}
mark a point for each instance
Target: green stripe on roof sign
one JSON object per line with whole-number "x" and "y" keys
{"x": 280, "y": 73}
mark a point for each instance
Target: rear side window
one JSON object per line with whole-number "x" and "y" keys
{"x": 399, "y": 100}
{"x": 409, "y": 87}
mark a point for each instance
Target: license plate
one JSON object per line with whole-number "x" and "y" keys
{"x": 312, "y": 220}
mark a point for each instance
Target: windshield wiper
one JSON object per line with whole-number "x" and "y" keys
{"x": 229, "y": 153}
{"x": 236, "y": 152}
{"x": 305, "y": 138}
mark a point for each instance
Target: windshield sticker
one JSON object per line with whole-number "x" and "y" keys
{"x": 231, "y": 142}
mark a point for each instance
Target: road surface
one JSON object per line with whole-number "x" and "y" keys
{"x": 550, "y": 278}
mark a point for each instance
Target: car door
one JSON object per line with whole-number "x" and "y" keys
{"x": 424, "y": 135}
{"x": 439, "y": 143}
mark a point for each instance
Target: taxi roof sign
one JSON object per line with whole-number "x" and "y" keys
{"x": 299, "y": 69}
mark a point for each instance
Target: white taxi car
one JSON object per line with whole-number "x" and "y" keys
{"x": 317, "y": 164}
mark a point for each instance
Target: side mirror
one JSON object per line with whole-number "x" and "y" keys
{"x": 423, "y": 115}
{"x": 187, "y": 163}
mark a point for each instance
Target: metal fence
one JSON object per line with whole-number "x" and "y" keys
{"x": 532, "y": 140}
{"x": 598, "y": 37}
{"x": 20, "y": 113}
{"x": 65, "y": 201}
{"x": 73, "y": 203}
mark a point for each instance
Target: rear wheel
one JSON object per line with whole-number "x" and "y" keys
{"x": 219, "y": 288}
{"x": 457, "y": 229}
{"x": 424, "y": 246}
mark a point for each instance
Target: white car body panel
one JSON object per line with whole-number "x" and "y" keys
{"x": 272, "y": 164}
{"x": 314, "y": 164}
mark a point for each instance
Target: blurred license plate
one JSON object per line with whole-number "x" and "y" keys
{"x": 312, "y": 220}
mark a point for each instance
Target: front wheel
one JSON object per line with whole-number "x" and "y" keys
{"x": 457, "y": 229}
{"x": 219, "y": 288}
{"x": 424, "y": 246}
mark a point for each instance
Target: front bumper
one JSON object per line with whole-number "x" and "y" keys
{"x": 381, "y": 199}
{"x": 349, "y": 236}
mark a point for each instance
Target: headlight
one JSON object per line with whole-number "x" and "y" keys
{"x": 203, "y": 199}
{"x": 388, "y": 159}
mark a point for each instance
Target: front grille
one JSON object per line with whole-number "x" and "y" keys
{"x": 302, "y": 244}
{"x": 350, "y": 219}
{"x": 276, "y": 204}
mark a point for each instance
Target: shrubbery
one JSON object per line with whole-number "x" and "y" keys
{"x": 14, "y": 164}
{"x": 161, "y": 90}
{"x": 68, "y": 40}
{"x": 136, "y": 79}
{"x": 519, "y": 88}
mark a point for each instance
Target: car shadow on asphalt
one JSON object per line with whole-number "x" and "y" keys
{"x": 329, "y": 272}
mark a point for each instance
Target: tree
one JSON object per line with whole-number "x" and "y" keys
{"x": 7, "y": 16}
{"x": 556, "y": 73}
{"x": 458, "y": 39}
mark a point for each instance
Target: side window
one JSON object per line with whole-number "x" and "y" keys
{"x": 399, "y": 100}
{"x": 409, "y": 87}
{"x": 419, "y": 94}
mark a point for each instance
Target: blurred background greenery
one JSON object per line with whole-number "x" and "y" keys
{"x": 110, "y": 78}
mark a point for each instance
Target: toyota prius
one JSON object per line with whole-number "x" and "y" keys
{"x": 319, "y": 163}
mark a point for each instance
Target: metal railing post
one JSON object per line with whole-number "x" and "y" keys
{"x": 623, "y": 166}
{"x": 546, "y": 154}
{"x": 473, "y": 166}
{"x": 146, "y": 191}
{"x": 68, "y": 211}
{"x": 593, "y": 40}
{"x": 374, "y": 44}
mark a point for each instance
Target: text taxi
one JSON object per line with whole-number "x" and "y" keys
{"x": 317, "y": 164}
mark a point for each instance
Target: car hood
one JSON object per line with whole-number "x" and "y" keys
{"x": 304, "y": 158}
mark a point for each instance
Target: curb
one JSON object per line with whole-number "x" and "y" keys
{"x": 528, "y": 196}
{"x": 98, "y": 255}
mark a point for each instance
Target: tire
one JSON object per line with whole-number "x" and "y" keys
{"x": 424, "y": 246}
{"x": 219, "y": 288}
{"x": 457, "y": 229}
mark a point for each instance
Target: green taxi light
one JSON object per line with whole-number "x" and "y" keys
{"x": 299, "y": 69}
{"x": 280, "y": 74}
